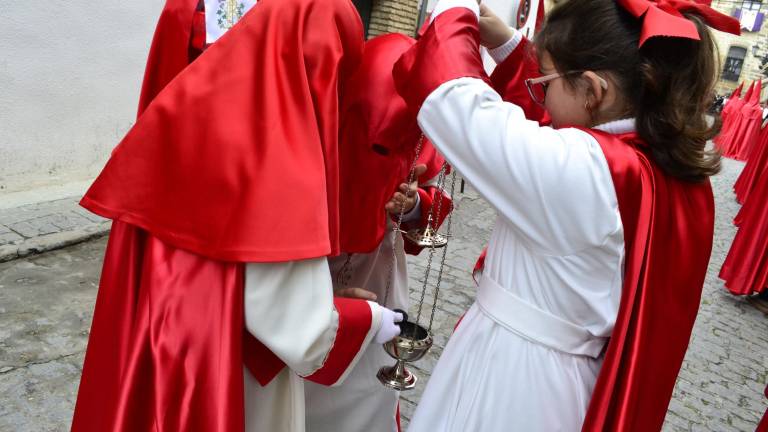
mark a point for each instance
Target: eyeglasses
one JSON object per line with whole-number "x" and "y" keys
{"x": 537, "y": 87}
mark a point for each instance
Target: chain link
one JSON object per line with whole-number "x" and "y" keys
{"x": 445, "y": 251}
{"x": 396, "y": 229}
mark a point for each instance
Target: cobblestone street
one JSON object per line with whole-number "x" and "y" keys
{"x": 46, "y": 305}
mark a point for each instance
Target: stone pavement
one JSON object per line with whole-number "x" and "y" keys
{"x": 41, "y": 227}
{"x": 46, "y": 305}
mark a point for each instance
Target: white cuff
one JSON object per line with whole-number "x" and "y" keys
{"x": 444, "y": 5}
{"x": 415, "y": 212}
{"x": 501, "y": 52}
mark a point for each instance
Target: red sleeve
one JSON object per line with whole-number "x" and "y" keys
{"x": 355, "y": 321}
{"x": 449, "y": 49}
{"x": 428, "y": 199}
{"x": 508, "y": 79}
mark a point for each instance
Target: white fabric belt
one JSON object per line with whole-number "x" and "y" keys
{"x": 530, "y": 322}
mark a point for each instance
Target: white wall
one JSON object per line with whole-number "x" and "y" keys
{"x": 70, "y": 74}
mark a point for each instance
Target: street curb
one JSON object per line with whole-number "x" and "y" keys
{"x": 49, "y": 242}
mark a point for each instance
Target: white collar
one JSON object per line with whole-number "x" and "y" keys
{"x": 617, "y": 126}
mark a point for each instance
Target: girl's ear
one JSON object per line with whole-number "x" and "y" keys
{"x": 596, "y": 88}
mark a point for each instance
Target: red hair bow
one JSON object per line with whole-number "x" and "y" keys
{"x": 665, "y": 18}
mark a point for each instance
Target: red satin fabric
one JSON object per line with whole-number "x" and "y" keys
{"x": 354, "y": 322}
{"x": 745, "y": 270}
{"x": 165, "y": 349}
{"x": 167, "y": 344}
{"x": 457, "y": 33}
{"x": 755, "y": 170}
{"x": 665, "y": 18}
{"x": 210, "y": 164}
{"x": 169, "y": 53}
{"x": 377, "y": 145}
{"x": 668, "y": 226}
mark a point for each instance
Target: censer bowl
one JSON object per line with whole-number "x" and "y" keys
{"x": 414, "y": 341}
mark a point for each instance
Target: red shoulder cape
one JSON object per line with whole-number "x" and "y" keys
{"x": 668, "y": 229}
{"x": 236, "y": 159}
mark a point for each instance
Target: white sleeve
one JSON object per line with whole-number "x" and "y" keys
{"x": 289, "y": 308}
{"x": 501, "y": 52}
{"x": 554, "y": 186}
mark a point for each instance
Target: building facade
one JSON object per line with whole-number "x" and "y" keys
{"x": 743, "y": 58}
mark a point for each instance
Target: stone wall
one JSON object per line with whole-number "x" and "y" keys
{"x": 390, "y": 16}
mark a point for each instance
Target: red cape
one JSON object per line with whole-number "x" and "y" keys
{"x": 243, "y": 165}
{"x": 659, "y": 301}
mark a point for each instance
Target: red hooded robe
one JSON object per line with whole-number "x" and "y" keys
{"x": 197, "y": 188}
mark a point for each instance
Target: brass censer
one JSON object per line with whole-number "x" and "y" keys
{"x": 415, "y": 340}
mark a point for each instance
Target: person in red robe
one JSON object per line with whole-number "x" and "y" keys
{"x": 729, "y": 139}
{"x": 215, "y": 301}
{"x": 745, "y": 139}
{"x": 727, "y": 115}
{"x": 659, "y": 204}
{"x": 379, "y": 143}
{"x": 754, "y": 170}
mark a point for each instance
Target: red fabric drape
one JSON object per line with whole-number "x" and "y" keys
{"x": 754, "y": 171}
{"x": 659, "y": 301}
{"x": 165, "y": 349}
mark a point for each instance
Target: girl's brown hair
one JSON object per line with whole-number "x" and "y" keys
{"x": 667, "y": 84}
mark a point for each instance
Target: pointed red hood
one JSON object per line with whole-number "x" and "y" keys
{"x": 237, "y": 159}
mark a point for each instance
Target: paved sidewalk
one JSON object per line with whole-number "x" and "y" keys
{"x": 37, "y": 228}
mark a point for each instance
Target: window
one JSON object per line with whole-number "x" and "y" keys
{"x": 751, "y": 5}
{"x": 364, "y": 8}
{"x": 733, "y": 63}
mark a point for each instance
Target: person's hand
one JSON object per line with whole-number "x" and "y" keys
{"x": 493, "y": 31}
{"x": 405, "y": 198}
{"x": 354, "y": 292}
{"x": 389, "y": 329}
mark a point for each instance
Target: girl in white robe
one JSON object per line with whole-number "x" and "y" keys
{"x": 527, "y": 354}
